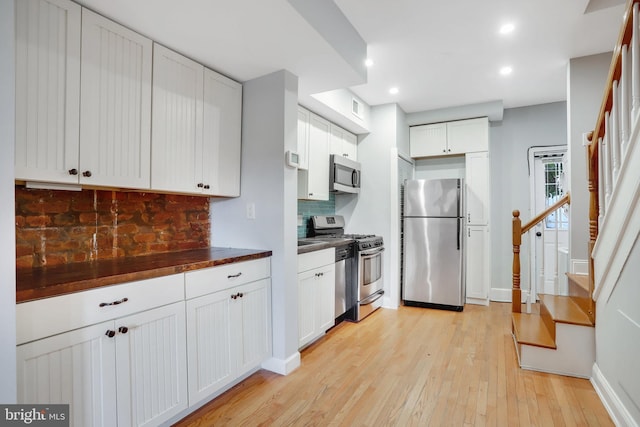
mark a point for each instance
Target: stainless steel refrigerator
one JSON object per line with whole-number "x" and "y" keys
{"x": 433, "y": 224}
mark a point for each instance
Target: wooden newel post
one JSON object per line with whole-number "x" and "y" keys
{"x": 516, "y": 293}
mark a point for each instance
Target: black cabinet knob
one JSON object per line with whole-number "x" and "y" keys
{"x": 200, "y": 185}
{"x": 73, "y": 171}
{"x": 206, "y": 186}
{"x": 538, "y": 233}
{"x": 86, "y": 173}
{"x": 123, "y": 329}
{"x": 110, "y": 333}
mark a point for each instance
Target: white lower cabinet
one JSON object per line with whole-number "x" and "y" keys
{"x": 229, "y": 330}
{"x": 316, "y": 294}
{"x": 478, "y": 263}
{"x": 130, "y": 371}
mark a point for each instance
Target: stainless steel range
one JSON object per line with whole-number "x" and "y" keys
{"x": 364, "y": 287}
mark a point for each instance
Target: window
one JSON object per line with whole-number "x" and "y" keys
{"x": 553, "y": 174}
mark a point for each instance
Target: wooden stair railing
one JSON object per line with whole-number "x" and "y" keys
{"x": 517, "y": 232}
{"x": 619, "y": 112}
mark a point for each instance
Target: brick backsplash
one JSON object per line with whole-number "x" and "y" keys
{"x": 60, "y": 227}
{"x": 307, "y": 208}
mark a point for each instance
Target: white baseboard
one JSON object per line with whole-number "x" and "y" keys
{"x": 504, "y": 295}
{"x": 617, "y": 411}
{"x": 579, "y": 266}
{"x": 282, "y": 366}
{"x": 477, "y": 301}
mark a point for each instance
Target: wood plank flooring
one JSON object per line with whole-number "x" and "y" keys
{"x": 410, "y": 367}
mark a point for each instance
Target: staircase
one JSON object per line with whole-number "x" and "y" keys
{"x": 558, "y": 337}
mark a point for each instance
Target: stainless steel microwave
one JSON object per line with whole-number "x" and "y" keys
{"x": 344, "y": 175}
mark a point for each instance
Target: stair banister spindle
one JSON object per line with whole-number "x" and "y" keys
{"x": 557, "y": 236}
{"x": 606, "y": 162}
{"x": 614, "y": 132}
{"x": 635, "y": 65}
{"x": 625, "y": 111}
{"x": 542, "y": 258}
{"x": 516, "y": 236}
{"x": 600, "y": 179}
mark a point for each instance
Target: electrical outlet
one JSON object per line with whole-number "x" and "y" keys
{"x": 251, "y": 211}
{"x": 300, "y": 221}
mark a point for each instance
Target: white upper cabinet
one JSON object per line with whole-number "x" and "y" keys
{"x": 477, "y": 184}
{"x": 221, "y": 136}
{"x": 115, "y": 127}
{"x": 343, "y": 143}
{"x": 196, "y": 125}
{"x": 303, "y": 138}
{"x": 176, "y": 158}
{"x": 443, "y": 139}
{"x": 313, "y": 184}
{"x": 47, "y": 90}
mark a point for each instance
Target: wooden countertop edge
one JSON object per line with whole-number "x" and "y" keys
{"x": 26, "y": 292}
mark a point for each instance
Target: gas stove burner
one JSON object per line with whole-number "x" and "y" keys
{"x": 359, "y": 236}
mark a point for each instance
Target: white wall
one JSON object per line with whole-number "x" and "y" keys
{"x": 587, "y": 77}
{"x": 374, "y": 211}
{"x": 269, "y": 129}
{"x": 7, "y": 213}
{"x": 618, "y": 342}
{"x": 440, "y": 168}
{"x": 509, "y": 140}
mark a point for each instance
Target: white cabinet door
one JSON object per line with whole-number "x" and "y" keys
{"x": 303, "y": 138}
{"x": 326, "y": 298}
{"x": 468, "y": 136}
{"x": 221, "y": 135}
{"x": 313, "y": 184}
{"x": 151, "y": 366}
{"x": 47, "y": 90}
{"x": 254, "y": 318}
{"x": 77, "y": 368}
{"x": 307, "y": 306}
{"x": 316, "y": 303}
{"x": 477, "y": 184}
{"x": 477, "y": 264}
{"x": 211, "y": 364}
{"x": 343, "y": 143}
{"x": 428, "y": 140}
{"x": 177, "y": 117}
{"x": 350, "y": 146}
{"x": 115, "y": 130}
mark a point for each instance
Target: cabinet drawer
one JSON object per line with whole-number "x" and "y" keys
{"x": 214, "y": 279}
{"x": 50, "y": 316}
{"x": 316, "y": 259}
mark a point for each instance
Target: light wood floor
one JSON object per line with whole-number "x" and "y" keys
{"x": 410, "y": 367}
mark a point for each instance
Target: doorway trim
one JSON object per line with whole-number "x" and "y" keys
{"x": 532, "y": 153}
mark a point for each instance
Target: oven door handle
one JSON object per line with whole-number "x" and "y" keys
{"x": 372, "y": 298}
{"x": 371, "y": 253}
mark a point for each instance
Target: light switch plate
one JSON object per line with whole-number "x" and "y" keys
{"x": 299, "y": 220}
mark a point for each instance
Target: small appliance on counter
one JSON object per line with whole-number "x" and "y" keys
{"x": 432, "y": 244}
{"x": 364, "y": 280}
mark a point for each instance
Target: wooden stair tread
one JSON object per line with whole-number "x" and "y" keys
{"x": 530, "y": 329}
{"x": 581, "y": 280}
{"x": 564, "y": 309}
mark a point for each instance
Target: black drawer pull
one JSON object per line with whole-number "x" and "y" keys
{"x": 110, "y": 333}
{"x": 233, "y": 276}
{"x": 120, "y": 301}
{"x": 123, "y": 329}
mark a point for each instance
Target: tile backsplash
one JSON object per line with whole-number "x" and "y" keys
{"x": 61, "y": 227}
{"x": 308, "y": 208}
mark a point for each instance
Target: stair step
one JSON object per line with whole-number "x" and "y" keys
{"x": 581, "y": 280}
{"x": 565, "y": 309}
{"x": 530, "y": 329}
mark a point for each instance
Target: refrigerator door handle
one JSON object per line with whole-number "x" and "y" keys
{"x": 459, "y": 207}
{"x": 458, "y": 232}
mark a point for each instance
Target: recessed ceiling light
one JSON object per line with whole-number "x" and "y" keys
{"x": 393, "y": 90}
{"x": 507, "y": 28}
{"x": 368, "y": 62}
{"x": 505, "y": 71}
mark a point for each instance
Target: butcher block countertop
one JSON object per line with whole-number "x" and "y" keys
{"x": 43, "y": 282}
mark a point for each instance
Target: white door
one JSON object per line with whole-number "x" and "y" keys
{"x": 551, "y": 235}
{"x": 115, "y": 130}
{"x": 75, "y": 368}
{"x": 151, "y": 366}
{"x": 47, "y": 90}
{"x": 209, "y": 346}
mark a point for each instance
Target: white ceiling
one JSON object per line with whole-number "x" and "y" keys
{"x": 438, "y": 53}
